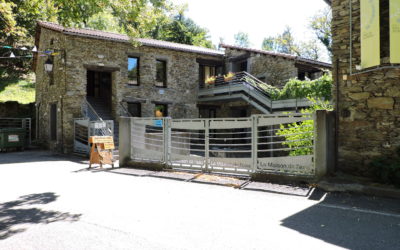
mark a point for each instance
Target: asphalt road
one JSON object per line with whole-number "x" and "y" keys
{"x": 50, "y": 202}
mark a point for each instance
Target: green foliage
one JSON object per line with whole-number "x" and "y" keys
{"x": 319, "y": 88}
{"x": 17, "y": 89}
{"x": 184, "y": 30}
{"x": 387, "y": 169}
{"x": 321, "y": 25}
{"x": 282, "y": 43}
{"x": 272, "y": 91}
{"x": 156, "y": 19}
{"x": 299, "y": 136}
{"x": 242, "y": 39}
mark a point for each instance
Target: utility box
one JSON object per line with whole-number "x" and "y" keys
{"x": 12, "y": 138}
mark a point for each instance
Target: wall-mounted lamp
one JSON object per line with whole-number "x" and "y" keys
{"x": 48, "y": 65}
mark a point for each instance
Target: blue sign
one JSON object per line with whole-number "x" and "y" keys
{"x": 158, "y": 123}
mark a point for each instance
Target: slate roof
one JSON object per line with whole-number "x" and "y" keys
{"x": 287, "y": 56}
{"x": 124, "y": 38}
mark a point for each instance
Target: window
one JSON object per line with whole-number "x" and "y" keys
{"x": 207, "y": 71}
{"x": 161, "y": 74}
{"x": 135, "y": 109}
{"x": 53, "y": 122}
{"x": 243, "y": 66}
{"x": 133, "y": 70}
{"x": 301, "y": 76}
{"x": 161, "y": 110}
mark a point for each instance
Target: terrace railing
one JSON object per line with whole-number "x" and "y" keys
{"x": 247, "y": 87}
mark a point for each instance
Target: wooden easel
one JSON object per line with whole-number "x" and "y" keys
{"x": 101, "y": 151}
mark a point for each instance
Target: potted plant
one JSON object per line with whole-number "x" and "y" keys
{"x": 228, "y": 77}
{"x": 210, "y": 81}
{"x": 159, "y": 111}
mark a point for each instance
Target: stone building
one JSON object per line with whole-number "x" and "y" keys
{"x": 107, "y": 73}
{"x": 272, "y": 67}
{"x": 367, "y": 100}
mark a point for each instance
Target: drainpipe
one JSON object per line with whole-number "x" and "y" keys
{"x": 351, "y": 36}
{"x": 337, "y": 116}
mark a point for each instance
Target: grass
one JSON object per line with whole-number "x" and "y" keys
{"x": 21, "y": 90}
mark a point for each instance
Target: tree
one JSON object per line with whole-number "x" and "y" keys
{"x": 310, "y": 50}
{"x": 286, "y": 43}
{"x": 242, "y": 39}
{"x": 282, "y": 43}
{"x": 269, "y": 44}
{"x": 184, "y": 30}
{"x": 321, "y": 25}
{"x": 159, "y": 19}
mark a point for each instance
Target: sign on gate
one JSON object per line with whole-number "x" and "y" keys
{"x": 295, "y": 164}
{"x": 158, "y": 123}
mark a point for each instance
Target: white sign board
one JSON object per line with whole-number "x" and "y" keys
{"x": 13, "y": 138}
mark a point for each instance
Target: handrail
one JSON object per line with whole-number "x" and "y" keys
{"x": 244, "y": 77}
{"x": 125, "y": 110}
{"x": 248, "y": 86}
{"x": 89, "y": 111}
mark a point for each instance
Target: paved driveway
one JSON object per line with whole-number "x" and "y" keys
{"x": 50, "y": 202}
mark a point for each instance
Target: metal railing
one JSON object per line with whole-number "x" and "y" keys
{"x": 247, "y": 87}
{"x": 90, "y": 113}
{"x": 84, "y": 129}
{"x": 124, "y": 111}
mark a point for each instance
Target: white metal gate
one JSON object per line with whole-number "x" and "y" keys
{"x": 84, "y": 128}
{"x": 261, "y": 143}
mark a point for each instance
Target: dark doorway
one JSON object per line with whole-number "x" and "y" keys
{"x": 205, "y": 112}
{"x": 238, "y": 112}
{"x": 99, "y": 86}
{"x": 53, "y": 122}
{"x": 243, "y": 66}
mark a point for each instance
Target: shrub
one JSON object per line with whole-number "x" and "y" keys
{"x": 387, "y": 169}
{"x": 299, "y": 135}
{"x": 319, "y": 88}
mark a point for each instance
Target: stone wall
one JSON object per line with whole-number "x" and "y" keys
{"x": 16, "y": 110}
{"x": 368, "y": 104}
{"x": 47, "y": 94}
{"x": 81, "y": 54}
{"x": 271, "y": 69}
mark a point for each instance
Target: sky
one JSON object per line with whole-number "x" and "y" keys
{"x": 258, "y": 18}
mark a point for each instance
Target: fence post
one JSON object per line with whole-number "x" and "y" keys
{"x": 207, "y": 143}
{"x": 166, "y": 139}
{"x": 320, "y": 143}
{"x": 125, "y": 141}
{"x": 254, "y": 142}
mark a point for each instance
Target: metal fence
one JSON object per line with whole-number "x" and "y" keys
{"x": 84, "y": 128}
{"x": 261, "y": 143}
{"x": 25, "y": 123}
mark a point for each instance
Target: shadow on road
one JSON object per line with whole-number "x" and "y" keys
{"x": 14, "y": 214}
{"x": 351, "y": 221}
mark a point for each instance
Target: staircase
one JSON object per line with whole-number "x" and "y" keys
{"x": 103, "y": 112}
{"x": 246, "y": 87}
